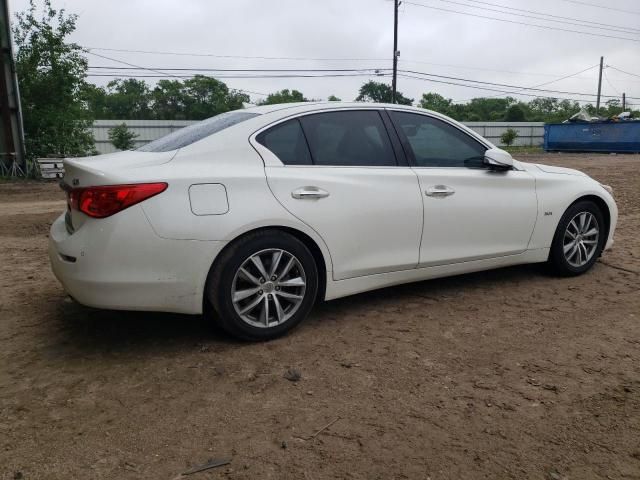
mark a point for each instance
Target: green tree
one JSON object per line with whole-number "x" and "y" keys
{"x": 283, "y": 96}
{"x": 457, "y": 111}
{"x": 129, "y": 99}
{"x": 508, "y": 137}
{"x": 515, "y": 113}
{"x": 169, "y": 100}
{"x": 379, "y": 92}
{"x": 96, "y": 100}
{"x": 551, "y": 109}
{"x": 205, "y": 97}
{"x": 121, "y": 137}
{"x": 51, "y": 73}
{"x": 613, "y": 107}
{"x": 436, "y": 102}
{"x": 487, "y": 109}
{"x": 333, "y": 98}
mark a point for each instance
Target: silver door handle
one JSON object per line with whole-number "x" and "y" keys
{"x": 309, "y": 193}
{"x": 439, "y": 191}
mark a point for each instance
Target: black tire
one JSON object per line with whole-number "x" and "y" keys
{"x": 557, "y": 260}
{"x": 219, "y": 285}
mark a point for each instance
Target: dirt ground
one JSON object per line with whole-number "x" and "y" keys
{"x": 504, "y": 374}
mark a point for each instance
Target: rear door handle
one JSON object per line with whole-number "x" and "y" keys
{"x": 439, "y": 191}
{"x": 311, "y": 193}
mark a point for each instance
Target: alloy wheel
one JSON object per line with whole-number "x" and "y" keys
{"x": 268, "y": 288}
{"x": 581, "y": 239}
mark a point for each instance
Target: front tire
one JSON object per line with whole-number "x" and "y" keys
{"x": 579, "y": 239}
{"x": 263, "y": 285}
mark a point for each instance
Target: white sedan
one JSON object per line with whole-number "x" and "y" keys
{"x": 259, "y": 213}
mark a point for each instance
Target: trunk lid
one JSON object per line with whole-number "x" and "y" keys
{"x": 105, "y": 169}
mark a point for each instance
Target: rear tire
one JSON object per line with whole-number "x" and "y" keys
{"x": 263, "y": 285}
{"x": 579, "y": 239}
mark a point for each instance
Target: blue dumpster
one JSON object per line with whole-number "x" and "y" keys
{"x": 593, "y": 137}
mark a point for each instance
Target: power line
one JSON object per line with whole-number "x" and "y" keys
{"x": 119, "y": 75}
{"x": 244, "y": 57}
{"x": 601, "y": 6}
{"x": 316, "y": 73}
{"x": 157, "y": 69}
{"x": 563, "y": 78}
{"x": 362, "y": 69}
{"x": 630, "y": 29}
{"x": 128, "y": 64}
{"x": 401, "y": 60}
{"x": 465, "y": 67}
{"x": 252, "y": 92}
{"x": 622, "y": 71}
{"x": 499, "y": 84}
{"x": 546, "y": 27}
{"x": 310, "y": 73}
{"x": 615, "y": 29}
{"x": 609, "y": 82}
{"x": 559, "y": 79}
{"x": 476, "y": 87}
{"x": 152, "y": 70}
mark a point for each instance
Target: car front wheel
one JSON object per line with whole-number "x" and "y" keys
{"x": 579, "y": 239}
{"x": 263, "y": 285}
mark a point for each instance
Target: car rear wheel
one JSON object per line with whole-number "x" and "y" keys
{"x": 579, "y": 239}
{"x": 263, "y": 285}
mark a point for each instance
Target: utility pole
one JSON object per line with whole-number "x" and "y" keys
{"x": 599, "y": 86}
{"x": 624, "y": 101}
{"x": 394, "y": 82}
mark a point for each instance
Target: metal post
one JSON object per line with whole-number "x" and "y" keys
{"x": 599, "y": 86}
{"x": 10, "y": 111}
{"x": 396, "y": 3}
{"x": 624, "y": 102}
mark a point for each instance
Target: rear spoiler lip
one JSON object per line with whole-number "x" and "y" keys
{"x": 75, "y": 163}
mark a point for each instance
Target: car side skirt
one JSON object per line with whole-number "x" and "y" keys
{"x": 351, "y": 286}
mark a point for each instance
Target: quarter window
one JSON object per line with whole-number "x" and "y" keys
{"x": 435, "y": 143}
{"x": 193, "y": 133}
{"x": 287, "y": 142}
{"x": 348, "y": 138}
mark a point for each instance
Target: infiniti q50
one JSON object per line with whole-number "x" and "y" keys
{"x": 259, "y": 213}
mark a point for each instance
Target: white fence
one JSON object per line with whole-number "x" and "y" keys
{"x": 529, "y": 133}
{"x": 147, "y": 130}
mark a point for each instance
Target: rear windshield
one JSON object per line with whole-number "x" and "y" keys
{"x": 198, "y": 131}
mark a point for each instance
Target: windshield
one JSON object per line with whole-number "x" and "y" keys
{"x": 198, "y": 131}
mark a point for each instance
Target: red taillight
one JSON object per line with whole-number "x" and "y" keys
{"x": 104, "y": 201}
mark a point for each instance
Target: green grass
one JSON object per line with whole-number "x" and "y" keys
{"x": 523, "y": 149}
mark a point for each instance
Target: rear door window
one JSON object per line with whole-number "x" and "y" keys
{"x": 355, "y": 138}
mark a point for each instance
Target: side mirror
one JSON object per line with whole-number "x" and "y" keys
{"x": 498, "y": 159}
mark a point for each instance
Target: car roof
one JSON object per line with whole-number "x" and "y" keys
{"x": 311, "y": 106}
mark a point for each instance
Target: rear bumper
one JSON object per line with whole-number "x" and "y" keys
{"x": 120, "y": 263}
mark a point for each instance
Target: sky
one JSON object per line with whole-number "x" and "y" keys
{"x": 358, "y": 34}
